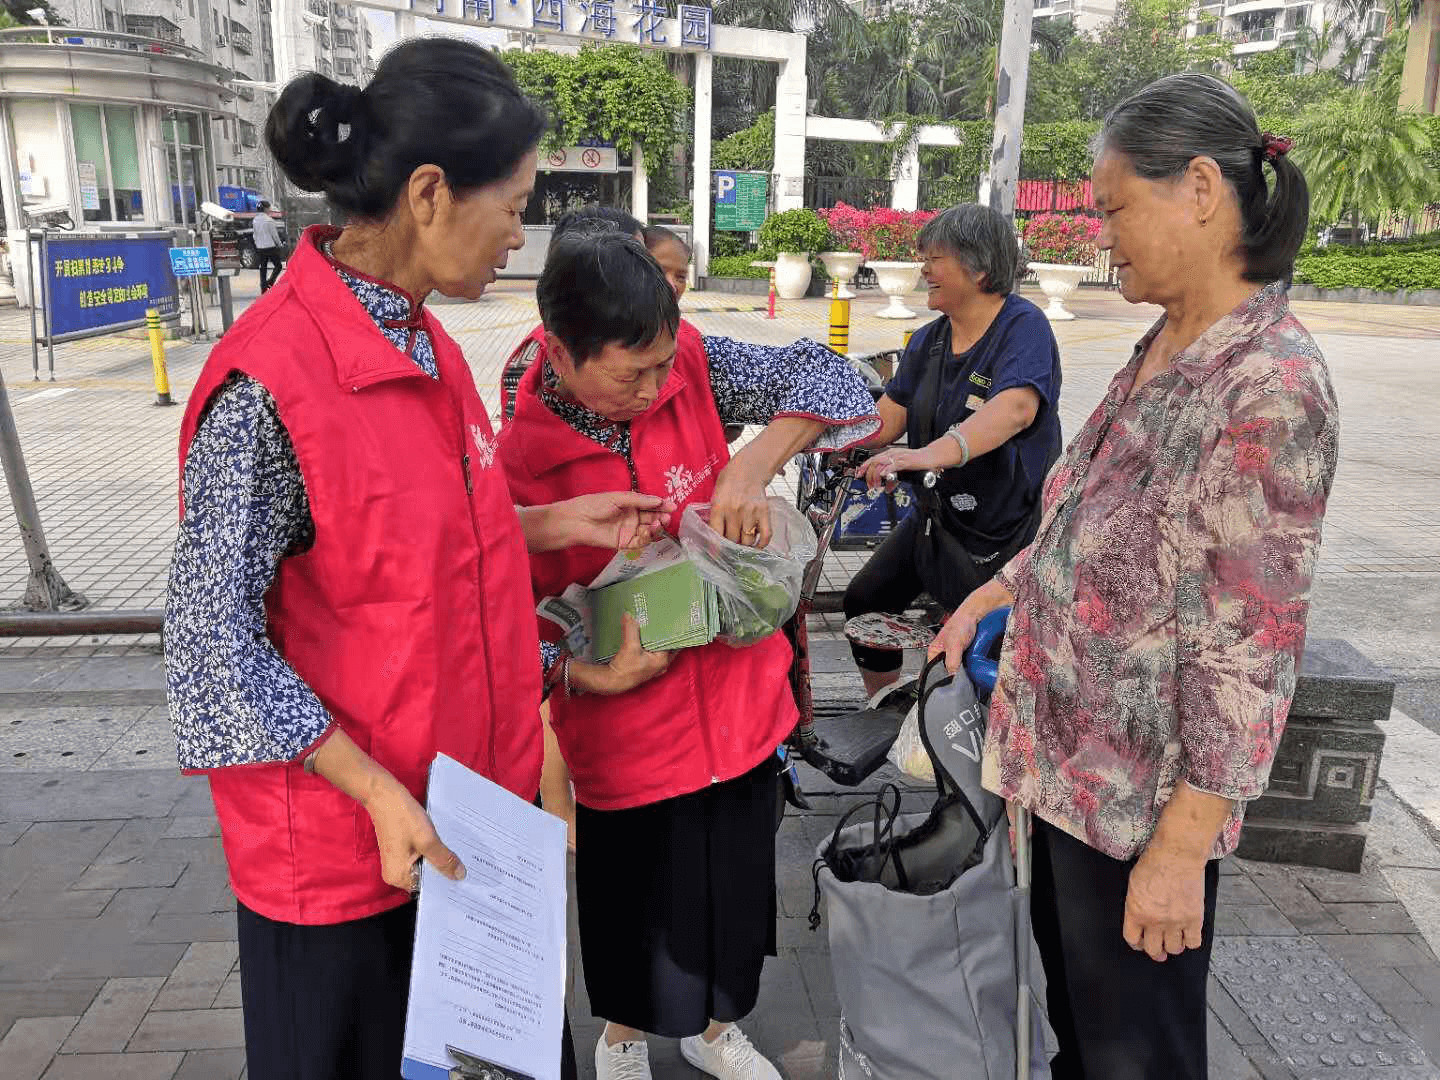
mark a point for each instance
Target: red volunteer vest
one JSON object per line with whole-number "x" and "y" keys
{"x": 408, "y": 618}
{"x": 717, "y": 712}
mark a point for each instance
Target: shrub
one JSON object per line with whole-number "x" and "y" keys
{"x": 729, "y": 243}
{"x": 1409, "y": 271}
{"x": 795, "y": 231}
{"x": 736, "y": 266}
{"x": 1067, "y": 239}
{"x": 881, "y": 234}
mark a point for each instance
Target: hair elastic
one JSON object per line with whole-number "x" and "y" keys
{"x": 1274, "y": 146}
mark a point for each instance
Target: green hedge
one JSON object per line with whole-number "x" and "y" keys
{"x": 736, "y": 266}
{"x": 1386, "y": 273}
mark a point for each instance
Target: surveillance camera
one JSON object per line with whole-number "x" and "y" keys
{"x": 219, "y": 213}
{"x": 47, "y": 209}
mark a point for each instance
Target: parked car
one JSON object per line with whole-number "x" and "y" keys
{"x": 248, "y": 258}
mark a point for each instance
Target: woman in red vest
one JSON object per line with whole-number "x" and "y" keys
{"x": 347, "y": 597}
{"x": 675, "y": 780}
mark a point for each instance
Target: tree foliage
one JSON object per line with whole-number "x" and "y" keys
{"x": 1363, "y": 158}
{"x": 617, "y": 93}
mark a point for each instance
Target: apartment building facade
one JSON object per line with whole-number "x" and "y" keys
{"x": 237, "y": 35}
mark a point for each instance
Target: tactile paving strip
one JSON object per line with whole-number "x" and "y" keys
{"x": 1323, "y": 1026}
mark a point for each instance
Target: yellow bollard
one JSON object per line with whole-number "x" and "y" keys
{"x": 839, "y": 321}
{"x": 157, "y": 357}
{"x": 906, "y": 343}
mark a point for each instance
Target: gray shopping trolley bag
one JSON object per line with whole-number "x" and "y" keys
{"x": 925, "y": 943}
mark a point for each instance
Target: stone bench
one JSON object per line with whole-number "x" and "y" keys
{"x": 1315, "y": 811}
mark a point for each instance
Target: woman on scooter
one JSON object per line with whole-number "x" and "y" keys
{"x": 676, "y": 779}
{"x": 976, "y": 396}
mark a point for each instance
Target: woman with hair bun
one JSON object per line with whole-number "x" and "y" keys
{"x": 350, "y": 594}
{"x": 1158, "y": 616}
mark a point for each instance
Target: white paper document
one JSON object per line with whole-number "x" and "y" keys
{"x": 489, "y": 970}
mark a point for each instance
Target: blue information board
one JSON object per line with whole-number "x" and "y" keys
{"x": 95, "y": 280}
{"x": 190, "y": 261}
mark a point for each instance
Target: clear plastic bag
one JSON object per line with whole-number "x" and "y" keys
{"x": 758, "y": 588}
{"x": 908, "y": 754}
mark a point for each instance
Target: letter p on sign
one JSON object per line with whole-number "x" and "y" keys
{"x": 724, "y": 187}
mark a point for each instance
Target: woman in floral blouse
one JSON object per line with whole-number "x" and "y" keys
{"x": 1159, "y": 615}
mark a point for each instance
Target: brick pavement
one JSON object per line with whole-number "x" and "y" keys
{"x": 117, "y": 952}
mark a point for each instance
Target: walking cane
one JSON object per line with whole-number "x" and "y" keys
{"x": 1022, "y": 943}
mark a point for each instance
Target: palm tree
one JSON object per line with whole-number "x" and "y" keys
{"x": 835, "y": 20}
{"x": 1365, "y": 159}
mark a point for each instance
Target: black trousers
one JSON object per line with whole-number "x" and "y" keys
{"x": 328, "y": 1002}
{"x": 1118, "y": 1014}
{"x": 677, "y": 905}
{"x": 271, "y": 258}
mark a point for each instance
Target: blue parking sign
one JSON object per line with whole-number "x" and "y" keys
{"x": 190, "y": 261}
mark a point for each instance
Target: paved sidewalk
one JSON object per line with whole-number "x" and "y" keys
{"x": 117, "y": 951}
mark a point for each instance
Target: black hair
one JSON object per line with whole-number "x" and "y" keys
{"x": 434, "y": 100}
{"x": 655, "y": 235}
{"x": 600, "y": 286}
{"x": 982, "y": 239}
{"x": 618, "y": 218}
{"x": 1174, "y": 120}
{"x": 262, "y": 206}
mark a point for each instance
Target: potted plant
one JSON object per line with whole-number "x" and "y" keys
{"x": 888, "y": 242}
{"x": 846, "y": 226}
{"x": 1061, "y": 248}
{"x": 791, "y": 237}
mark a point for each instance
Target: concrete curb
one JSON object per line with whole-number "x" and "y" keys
{"x": 1423, "y": 297}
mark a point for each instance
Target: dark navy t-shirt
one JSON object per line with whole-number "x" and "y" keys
{"x": 992, "y": 496}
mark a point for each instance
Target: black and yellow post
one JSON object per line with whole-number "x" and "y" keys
{"x": 905, "y": 344}
{"x": 157, "y": 357}
{"x": 839, "y": 321}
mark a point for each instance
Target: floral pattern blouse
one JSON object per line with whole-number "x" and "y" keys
{"x": 1159, "y": 614}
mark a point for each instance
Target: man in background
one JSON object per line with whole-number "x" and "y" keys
{"x": 268, "y": 253}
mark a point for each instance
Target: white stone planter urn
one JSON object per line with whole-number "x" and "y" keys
{"x": 792, "y": 274}
{"x": 842, "y": 266}
{"x": 1058, "y": 282}
{"x": 896, "y": 280}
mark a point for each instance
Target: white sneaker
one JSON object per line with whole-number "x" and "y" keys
{"x": 623, "y": 1061}
{"x": 730, "y": 1057}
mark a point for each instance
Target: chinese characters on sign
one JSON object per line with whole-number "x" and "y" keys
{"x": 740, "y": 200}
{"x": 95, "y": 281}
{"x": 694, "y": 26}
{"x": 599, "y": 18}
{"x": 190, "y": 261}
{"x": 649, "y": 14}
{"x": 99, "y": 267}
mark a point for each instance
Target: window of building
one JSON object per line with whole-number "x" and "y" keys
{"x": 185, "y": 164}
{"x": 109, "y": 19}
{"x": 107, "y": 161}
{"x": 42, "y": 153}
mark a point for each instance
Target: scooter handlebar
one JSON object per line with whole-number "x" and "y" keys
{"x": 981, "y": 659}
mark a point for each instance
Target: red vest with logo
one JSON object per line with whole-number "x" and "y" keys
{"x": 409, "y": 616}
{"x": 717, "y": 712}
